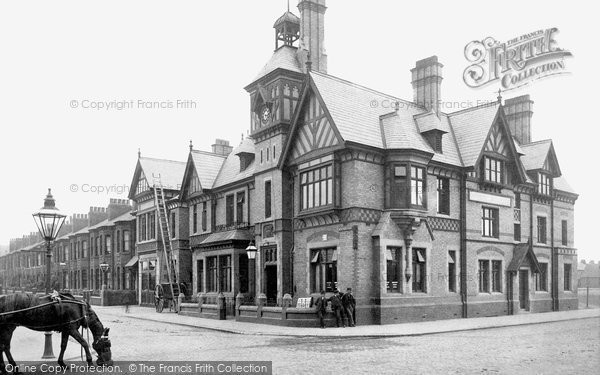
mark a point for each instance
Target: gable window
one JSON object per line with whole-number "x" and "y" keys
{"x": 316, "y": 187}
{"x": 194, "y": 186}
{"x": 565, "y": 233}
{"x": 323, "y": 270}
{"x": 452, "y": 271}
{"x": 567, "y": 276}
{"x": 241, "y": 198}
{"x": 544, "y": 184}
{"x": 142, "y": 185}
{"x": 443, "y": 195}
{"x": 490, "y": 221}
{"x": 393, "y": 257}
{"x": 195, "y": 219}
{"x": 541, "y": 229}
{"x": 267, "y": 199}
{"x": 419, "y": 275}
{"x": 204, "y": 216}
{"x": 492, "y": 169}
{"x": 229, "y": 209}
{"x": 541, "y": 278}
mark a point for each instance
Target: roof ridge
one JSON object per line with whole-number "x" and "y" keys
{"x": 208, "y": 153}
{"x": 342, "y": 80}
{"x": 481, "y": 106}
{"x": 169, "y": 160}
{"x": 537, "y": 142}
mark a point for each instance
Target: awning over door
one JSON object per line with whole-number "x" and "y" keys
{"x": 523, "y": 251}
{"x": 132, "y": 262}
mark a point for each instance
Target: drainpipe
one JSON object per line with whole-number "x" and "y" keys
{"x": 463, "y": 243}
{"x": 554, "y": 256}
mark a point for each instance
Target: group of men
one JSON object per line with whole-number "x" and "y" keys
{"x": 342, "y": 306}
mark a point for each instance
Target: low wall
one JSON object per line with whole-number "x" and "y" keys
{"x": 283, "y": 316}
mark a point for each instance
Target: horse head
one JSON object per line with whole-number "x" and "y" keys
{"x": 102, "y": 346}
{"x": 101, "y": 342}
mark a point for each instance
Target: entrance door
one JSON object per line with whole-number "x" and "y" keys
{"x": 271, "y": 284}
{"x": 523, "y": 289}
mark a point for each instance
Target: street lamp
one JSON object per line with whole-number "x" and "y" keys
{"x": 49, "y": 220}
{"x": 104, "y": 268}
{"x": 251, "y": 252}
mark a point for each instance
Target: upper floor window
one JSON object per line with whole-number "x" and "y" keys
{"x": 195, "y": 219}
{"x": 443, "y": 195}
{"x": 544, "y": 184}
{"x": 492, "y": 170}
{"x": 126, "y": 240}
{"x": 268, "y": 198}
{"x": 407, "y": 186}
{"x": 316, "y": 187}
{"x": 565, "y": 233}
{"x": 204, "y": 214}
{"x": 490, "y": 221}
{"x": 173, "y": 224}
{"x": 107, "y": 244}
{"x": 229, "y": 209}
{"x": 541, "y": 229}
{"x": 241, "y": 199}
{"x": 417, "y": 186}
{"x": 85, "y": 249}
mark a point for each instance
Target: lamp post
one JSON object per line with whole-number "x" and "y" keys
{"x": 48, "y": 220}
{"x": 104, "y": 268}
{"x": 251, "y": 252}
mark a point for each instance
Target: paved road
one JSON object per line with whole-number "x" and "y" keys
{"x": 571, "y": 347}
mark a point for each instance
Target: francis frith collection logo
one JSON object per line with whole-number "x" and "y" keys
{"x": 516, "y": 62}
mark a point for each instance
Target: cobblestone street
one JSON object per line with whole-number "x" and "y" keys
{"x": 568, "y": 347}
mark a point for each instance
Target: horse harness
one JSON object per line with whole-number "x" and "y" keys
{"x": 56, "y": 299}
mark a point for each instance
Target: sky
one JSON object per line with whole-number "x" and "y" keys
{"x": 62, "y": 60}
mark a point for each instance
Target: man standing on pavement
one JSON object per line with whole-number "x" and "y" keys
{"x": 321, "y": 305}
{"x": 338, "y": 309}
{"x": 349, "y": 304}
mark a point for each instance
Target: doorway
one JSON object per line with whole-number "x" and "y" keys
{"x": 271, "y": 284}
{"x": 523, "y": 289}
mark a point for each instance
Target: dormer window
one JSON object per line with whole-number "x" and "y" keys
{"x": 493, "y": 170}
{"x": 544, "y": 184}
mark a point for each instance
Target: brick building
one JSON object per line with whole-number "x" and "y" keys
{"x": 104, "y": 235}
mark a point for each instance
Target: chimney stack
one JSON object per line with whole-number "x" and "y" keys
{"x": 118, "y": 207}
{"x": 79, "y": 221}
{"x": 427, "y": 83}
{"x": 221, "y": 147}
{"x": 518, "y": 113}
{"x": 312, "y": 34}
{"x": 96, "y": 215}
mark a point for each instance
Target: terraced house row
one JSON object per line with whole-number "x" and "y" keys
{"x": 424, "y": 214}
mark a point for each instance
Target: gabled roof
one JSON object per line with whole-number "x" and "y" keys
{"x": 207, "y": 166}
{"x": 560, "y": 183}
{"x": 230, "y": 169}
{"x": 536, "y": 154}
{"x": 402, "y": 134}
{"x": 522, "y": 251}
{"x": 431, "y": 121}
{"x": 284, "y": 58}
{"x": 471, "y": 128}
{"x": 170, "y": 171}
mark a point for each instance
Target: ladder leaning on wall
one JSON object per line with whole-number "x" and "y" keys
{"x": 165, "y": 235}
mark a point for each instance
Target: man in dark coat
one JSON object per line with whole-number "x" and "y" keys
{"x": 349, "y": 304}
{"x": 338, "y": 309}
{"x": 321, "y": 305}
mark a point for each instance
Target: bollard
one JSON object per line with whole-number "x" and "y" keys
{"x": 261, "y": 300}
{"x": 221, "y": 307}
{"x": 180, "y": 298}
{"x": 239, "y": 301}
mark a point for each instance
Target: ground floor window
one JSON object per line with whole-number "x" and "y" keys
{"x": 419, "y": 284}
{"x": 567, "y": 276}
{"x": 394, "y": 267}
{"x": 148, "y": 274}
{"x": 541, "y": 278}
{"x": 497, "y": 276}
{"x": 452, "y": 271}
{"x": 484, "y": 274}
{"x": 211, "y": 274}
{"x": 225, "y": 273}
{"x": 200, "y": 276}
{"x": 323, "y": 270}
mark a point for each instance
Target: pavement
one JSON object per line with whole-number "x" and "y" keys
{"x": 388, "y": 330}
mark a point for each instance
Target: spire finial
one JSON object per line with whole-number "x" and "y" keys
{"x": 139, "y": 153}
{"x": 191, "y": 145}
{"x": 288, "y": 5}
{"x": 500, "y": 96}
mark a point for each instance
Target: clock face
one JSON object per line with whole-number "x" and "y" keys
{"x": 265, "y": 115}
